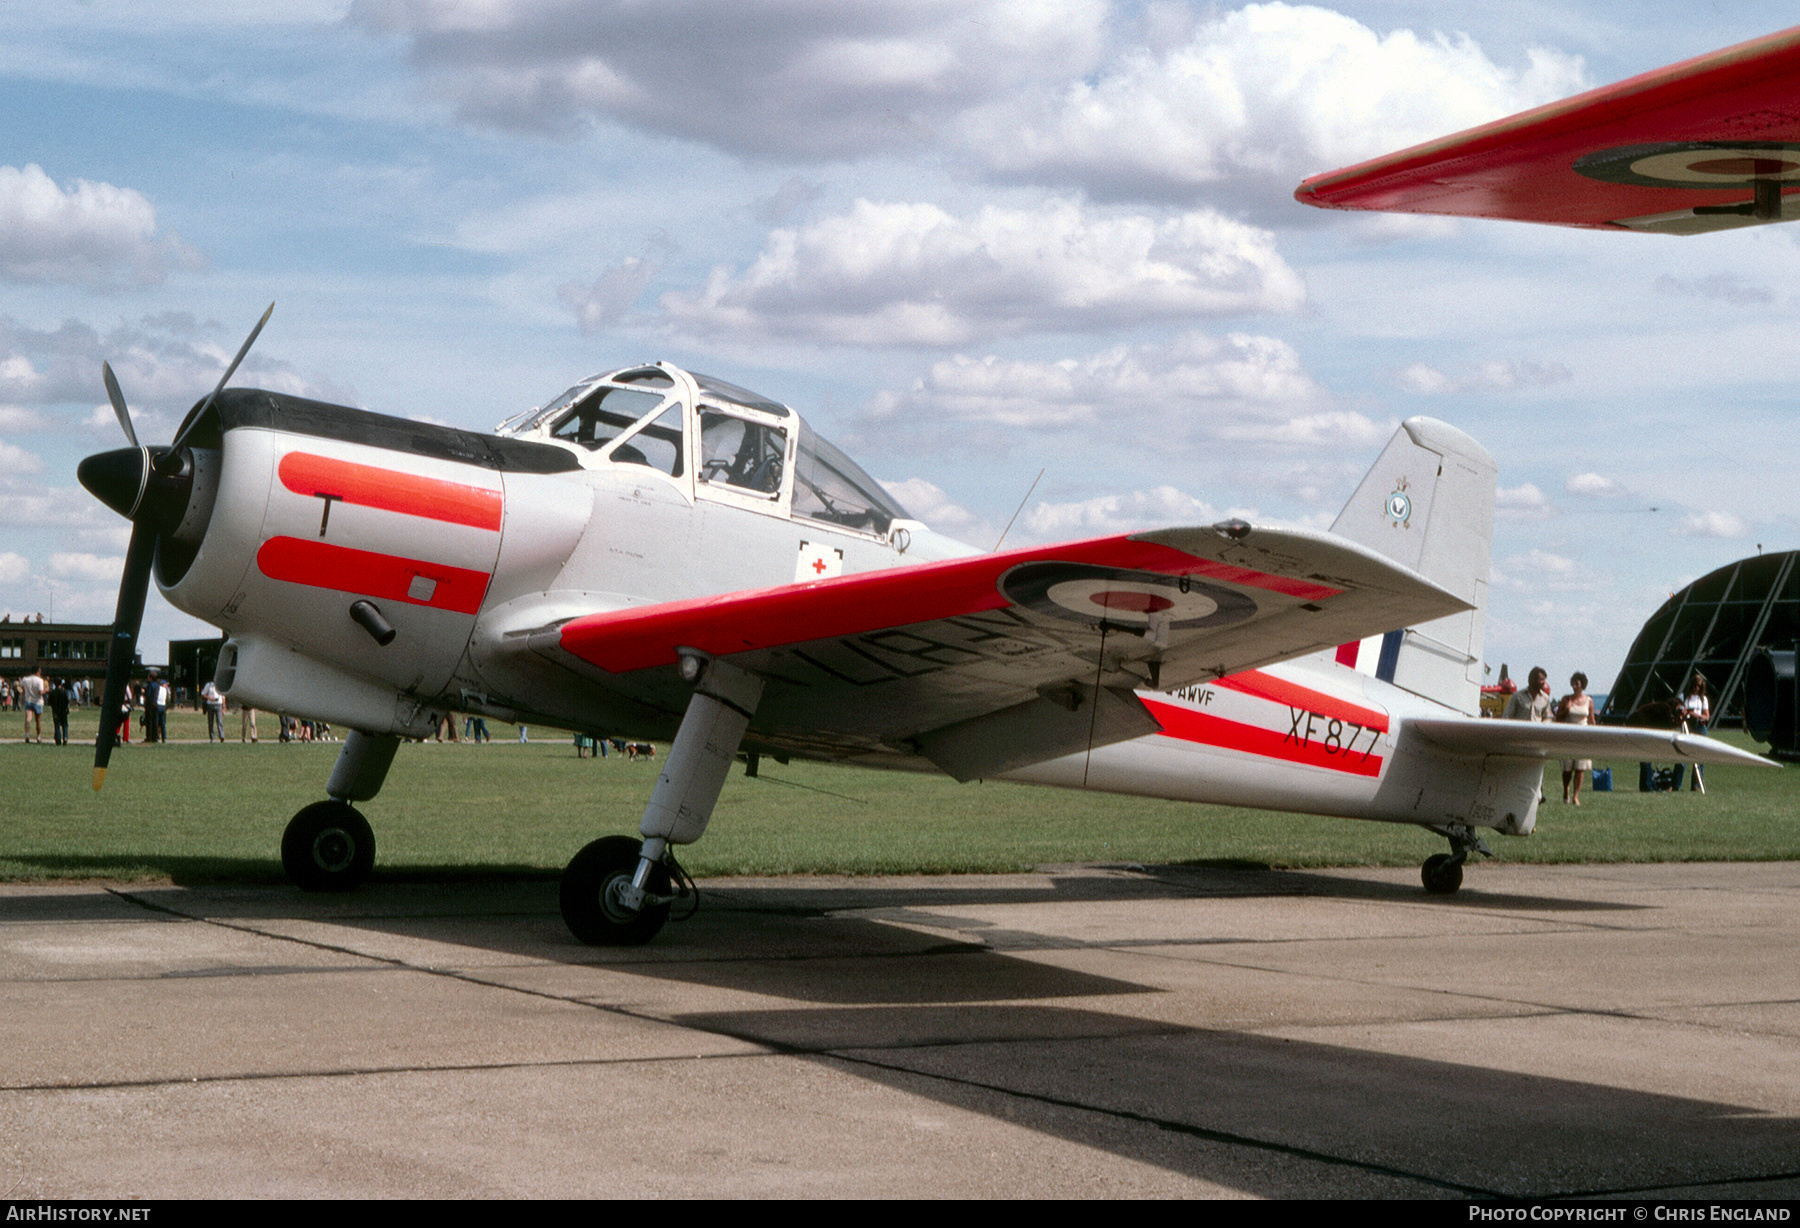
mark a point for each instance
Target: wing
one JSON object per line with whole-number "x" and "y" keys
{"x": 1529, "y": 740}
{"x": 1710, "y": 143}
{"x": 999, "y": 660}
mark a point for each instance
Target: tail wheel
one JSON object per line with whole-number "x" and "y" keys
{"x": 328, "y": 846}
{"x": 591, "y": 906}
{"x": 1442, "y": 874}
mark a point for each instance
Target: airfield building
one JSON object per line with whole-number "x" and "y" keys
{"x": 63, "y": 650}
{"x": 1722, "y": 625}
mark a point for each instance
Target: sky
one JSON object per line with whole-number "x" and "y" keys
{"x": 969, "y": 240}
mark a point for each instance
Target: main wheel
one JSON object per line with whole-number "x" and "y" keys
{"x": 590, "y": 895}
{"x": 328, "y": 846}
{"x": 1442, "y": 874}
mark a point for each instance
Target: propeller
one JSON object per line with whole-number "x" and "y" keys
{"x": 118, "y": 402}
{"x": 151, "y": 487}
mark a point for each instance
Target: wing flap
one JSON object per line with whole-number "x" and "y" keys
{"x": 1528, "y": 739}
{"x": 1065, "y": 722}
{"x": 1678, "y": 150}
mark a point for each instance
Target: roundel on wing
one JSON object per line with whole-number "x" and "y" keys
{"x": 1694, "y": 164}
{"x": 1077, "y": 592}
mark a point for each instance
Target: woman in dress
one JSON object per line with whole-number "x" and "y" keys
{"x": 1576, "y": 708}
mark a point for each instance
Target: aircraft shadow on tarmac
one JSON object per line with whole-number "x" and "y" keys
{"x": 1281, "y": 1117}
{"x": 871, "y": 980}
{"x": 821, "y": 897}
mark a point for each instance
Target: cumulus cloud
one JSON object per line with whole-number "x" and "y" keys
{"x": 765, "y": 78}
{"x": 1234, "y": 388}
{"x": 19, "y": 418}
{"x": 67, "y": 507}
{"x": 164, "y": 364}
{"x": 1239, "y": 387}
{"x": 1523, "y": 502}
{"x": 1541, "y": 571}
{"x": 16, "y": 462}
{"x": 1542, "y": 562}
{"x": 88, "y": 234}
{"x": 13, "y": 567}
{"x": 1592, "y": 484}
{"x": 1335, "y": 428}
{"x": 1121, "y": 101}
{"x": 929, "y": 504}
{"x": 1425, "y": 380}
{"x": 1711, "y": 524}
{"x": 888, "y": 273}
{"x": 1503, "y": 375}
{"x": 1139, "y": 509}
{"x": 71, "y": 566}
{"x": 115, "y": 537}
{"x": 1264, "y": 95}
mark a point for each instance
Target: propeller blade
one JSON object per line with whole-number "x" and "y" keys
{"x": 224, "y": 379}
{"x": 134, "y": 588}
{"x": 200, "y": 411}
{"x": 242, "y": 350}
{"x": 118, "y": 403}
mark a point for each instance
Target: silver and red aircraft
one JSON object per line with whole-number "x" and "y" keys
{"x": 661, "y": 554}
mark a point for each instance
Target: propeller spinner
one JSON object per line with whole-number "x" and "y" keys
{"x": 153, "y": 488}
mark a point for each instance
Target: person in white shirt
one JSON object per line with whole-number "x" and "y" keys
{"x": 215, "y": 710}
{"x": 31, "y": 703}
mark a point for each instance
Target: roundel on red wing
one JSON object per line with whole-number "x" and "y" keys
{"x": 1694, "y": 164}
{"x": 1078, "y": 592}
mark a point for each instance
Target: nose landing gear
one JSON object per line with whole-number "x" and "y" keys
{"x": 328, "y": 846}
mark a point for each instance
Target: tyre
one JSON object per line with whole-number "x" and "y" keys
{"x": 328, "y": 846}
{"x": 1442, "y": 874}
{"x": 589, "y": 895}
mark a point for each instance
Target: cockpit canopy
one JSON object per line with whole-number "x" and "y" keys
{"x": 714, "y": 440}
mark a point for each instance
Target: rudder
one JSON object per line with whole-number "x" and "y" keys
{"x": 1428, "y": 502}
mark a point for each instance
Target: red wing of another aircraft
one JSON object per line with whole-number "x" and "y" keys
{"x": 970, "y": 659}
{"x": 1707, "y": 144}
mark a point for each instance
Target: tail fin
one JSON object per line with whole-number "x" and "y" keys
{"x": 1429, "y": 503}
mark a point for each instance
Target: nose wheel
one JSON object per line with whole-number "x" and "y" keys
{"x": 328, "y": 846}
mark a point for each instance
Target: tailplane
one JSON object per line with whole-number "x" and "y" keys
{"x": 1429, "y": 503}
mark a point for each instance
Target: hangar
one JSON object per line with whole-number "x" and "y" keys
{"x": 1728, "y": 625}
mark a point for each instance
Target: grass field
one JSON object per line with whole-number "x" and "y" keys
{"x": 208, "y": 813}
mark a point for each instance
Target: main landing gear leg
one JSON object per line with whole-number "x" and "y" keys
{"x": 617, "y": 892}
{"x": 1442, "y": 872}
{"x": 329, "y": 846}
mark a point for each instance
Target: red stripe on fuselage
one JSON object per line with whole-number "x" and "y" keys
{"x": 1334, "y": 745}
{"x": 391, "y": 490}
{"x": 1291, "y": 694}
{"x": 387, "y": 576}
